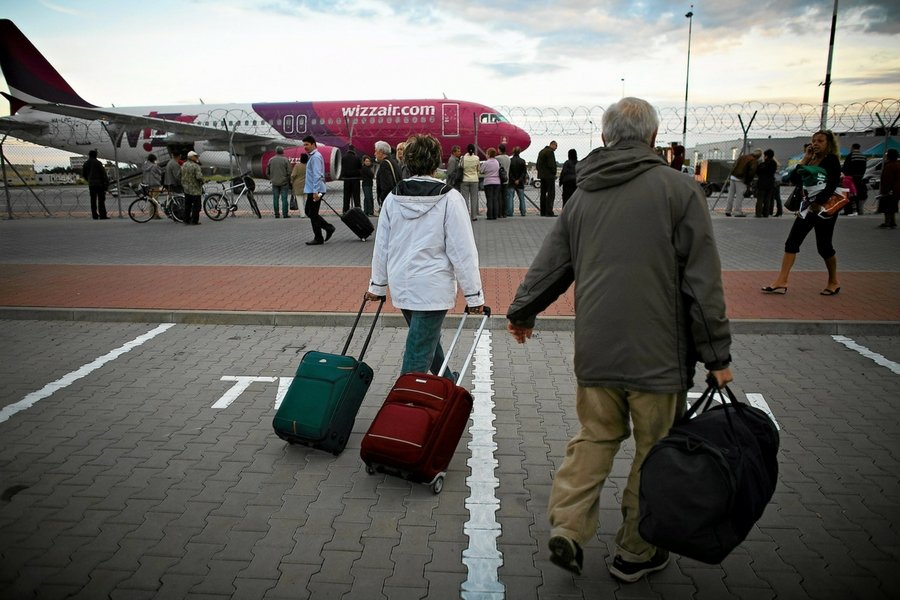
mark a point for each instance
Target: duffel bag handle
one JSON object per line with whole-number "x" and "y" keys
{"x": 729, "y": 402}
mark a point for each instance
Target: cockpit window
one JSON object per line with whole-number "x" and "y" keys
{"x": 493, "y": 118}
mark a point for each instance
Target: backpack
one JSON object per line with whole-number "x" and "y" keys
{"x": 706, "y": 483}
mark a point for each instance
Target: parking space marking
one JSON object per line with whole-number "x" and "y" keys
{"x": 69, "y": 378}
{"x": 482, "y": 557}
{"x": 241, "y": 383}
{"x": 874, "y": 356}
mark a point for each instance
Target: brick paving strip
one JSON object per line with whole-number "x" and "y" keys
{"x": 865, "y": 296}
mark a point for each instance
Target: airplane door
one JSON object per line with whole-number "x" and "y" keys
{"x": 450, "y": 119}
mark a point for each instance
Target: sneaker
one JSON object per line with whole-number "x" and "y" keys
{"x": 728, "y": 214}
{"x": 632, "y": 571}
{"x": 566, "y": 553}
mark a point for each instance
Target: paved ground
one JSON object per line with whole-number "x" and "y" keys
{"x": 137, "y": 460}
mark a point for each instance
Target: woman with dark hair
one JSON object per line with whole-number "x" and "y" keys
{"x": 824, "y": 152}
{"x": 890, "y": 190}
{"x": 567, "y": 176}
{"x": 424, "y": 246}
{"x": 469, "y": 164}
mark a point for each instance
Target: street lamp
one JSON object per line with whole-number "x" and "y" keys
{"x": 623, "y": 87}
{"x": 687, "y": 77}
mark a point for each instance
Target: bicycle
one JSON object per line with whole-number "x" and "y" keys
{"x": 219, "y": 205}
{"x": 146, "y": 207}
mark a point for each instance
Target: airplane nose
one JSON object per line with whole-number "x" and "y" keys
{"x": 523, "y": 140}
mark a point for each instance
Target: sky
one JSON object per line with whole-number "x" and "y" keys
{"x": 502, "y": 53}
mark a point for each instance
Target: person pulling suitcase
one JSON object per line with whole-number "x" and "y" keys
{"x": 424, "y": 247}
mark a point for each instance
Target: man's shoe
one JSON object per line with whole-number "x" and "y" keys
{"x": 632, "y": 571}
{"x": 277, "y": 216}
{"x": 329, "y": 233}
{"x": 728, "y": 214}
{"x": 287, "y": 216}
{"x": 315, "y": 243}
{"x": 566, "y": 553}
{"x": 740, "y": 215}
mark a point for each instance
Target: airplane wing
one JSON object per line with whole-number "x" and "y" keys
{"x": 15, "y": 128}
{"x": 182, "y": 132}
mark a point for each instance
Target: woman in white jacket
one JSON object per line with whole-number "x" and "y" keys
{"x": 424, "y": 246}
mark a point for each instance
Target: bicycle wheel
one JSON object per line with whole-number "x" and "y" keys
{"x": 215, "y": 206}
{"x": 142, "y": 210}
{"x": 254, "y": 206}
{"x": 176, "y": 209}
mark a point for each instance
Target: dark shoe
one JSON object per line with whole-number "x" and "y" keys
{"x": 727, "y": 214}
{"x": 287, "y": 216}
{"x": 329, "y": 232}
{"x": 566, "y": 553}
{"x": 884, "y": 226}
{"x": 315, "y": 243}
{"x": 632, "y": 571}
{"x": 827, "y": 292}
{"x": 740, "y": 215}
{"x": 195, "y": 222}
{"x": 778, "y": 289}
{"x": 277, "y": 216}
{"x": 104, "y": 218}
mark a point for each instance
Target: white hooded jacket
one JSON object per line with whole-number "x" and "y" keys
{"x": 423, "y": 246}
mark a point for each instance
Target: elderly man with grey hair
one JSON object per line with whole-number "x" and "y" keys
{"x": 637, "y": 241}
{"x": 388, "y": 173}
{"x": 424, "y": 246}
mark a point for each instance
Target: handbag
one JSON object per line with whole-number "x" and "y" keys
{"x": 706, "y": 483}
{"x": 293, "y": 204}
{"x": 838, "y": 200}
{"x": 793, "y": 202}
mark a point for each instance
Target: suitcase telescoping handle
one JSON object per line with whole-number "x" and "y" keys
{"x": 462, "y": 322}
{"x": 371, "y": 329}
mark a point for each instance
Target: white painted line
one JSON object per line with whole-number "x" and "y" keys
{"x": 874, "y": 356}
{"x": 482, "y": 558}
{"x": 241, "y": 383}
{"x": 68, "y": 379}
{"x": 283, "y": 384}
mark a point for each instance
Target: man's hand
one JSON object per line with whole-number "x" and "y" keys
{"x": 316, "y": 196}
{"x": 722, "y": 377}
{"x": 370, "y": 297}
{"x": 519, "y": 333}
{"x": 475, "y": 310}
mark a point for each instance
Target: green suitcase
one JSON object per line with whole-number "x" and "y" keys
{"x": 320, "y": 406}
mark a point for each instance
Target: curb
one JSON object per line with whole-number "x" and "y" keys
{"x": 332, "y": 319}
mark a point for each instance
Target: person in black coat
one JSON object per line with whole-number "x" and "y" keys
{"x": 94, "y": 173}
{"x": 765, "y": 185}
{"x": 351, "y": 167}
{"x": 567, "y": 176}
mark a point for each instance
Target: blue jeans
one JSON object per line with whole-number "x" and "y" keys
{"x": 423, "y": 342}
{"x": 511, "y": 193}
{"x": 283, "y": 192}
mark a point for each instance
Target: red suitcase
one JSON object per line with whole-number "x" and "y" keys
{"x": 417, "y": 429}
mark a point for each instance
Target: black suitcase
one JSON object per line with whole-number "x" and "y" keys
{"x": 706, "y": 483}
{"x": 358, "y": 222}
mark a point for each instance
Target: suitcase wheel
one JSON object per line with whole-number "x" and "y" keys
{"x": 438, "y": 485}
{"x": 370, "y": 470}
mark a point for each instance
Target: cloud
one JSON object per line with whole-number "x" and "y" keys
{"x": 514, "y": 69}
{"x": 62, "y": 9}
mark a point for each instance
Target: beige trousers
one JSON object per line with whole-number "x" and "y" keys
{"x": 604, "y": 414}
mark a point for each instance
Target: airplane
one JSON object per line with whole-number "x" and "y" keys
{"x": 45, "y": 110}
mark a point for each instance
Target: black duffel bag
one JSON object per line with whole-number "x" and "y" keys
{"x": 706, "y": 483}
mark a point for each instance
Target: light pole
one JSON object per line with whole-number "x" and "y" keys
{"x": 687, "y": 77}
{"x": 623, "y": 87}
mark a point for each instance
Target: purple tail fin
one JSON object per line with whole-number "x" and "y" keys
{"x": 28, "y": 74}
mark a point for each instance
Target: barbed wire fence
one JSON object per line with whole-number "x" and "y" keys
{"x": 577, "y": 127}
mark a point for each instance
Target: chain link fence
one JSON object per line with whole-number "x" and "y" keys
{"x": 40, "y": 182}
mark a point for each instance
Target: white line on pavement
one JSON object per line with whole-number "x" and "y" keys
{"x": 482, "y": 558}
{"x": 874, "y": 356}
{"x": 241, "y": 383}
{"x": 69, "y": 378}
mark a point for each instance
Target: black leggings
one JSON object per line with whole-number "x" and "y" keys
{"x": 824, "y": 232}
